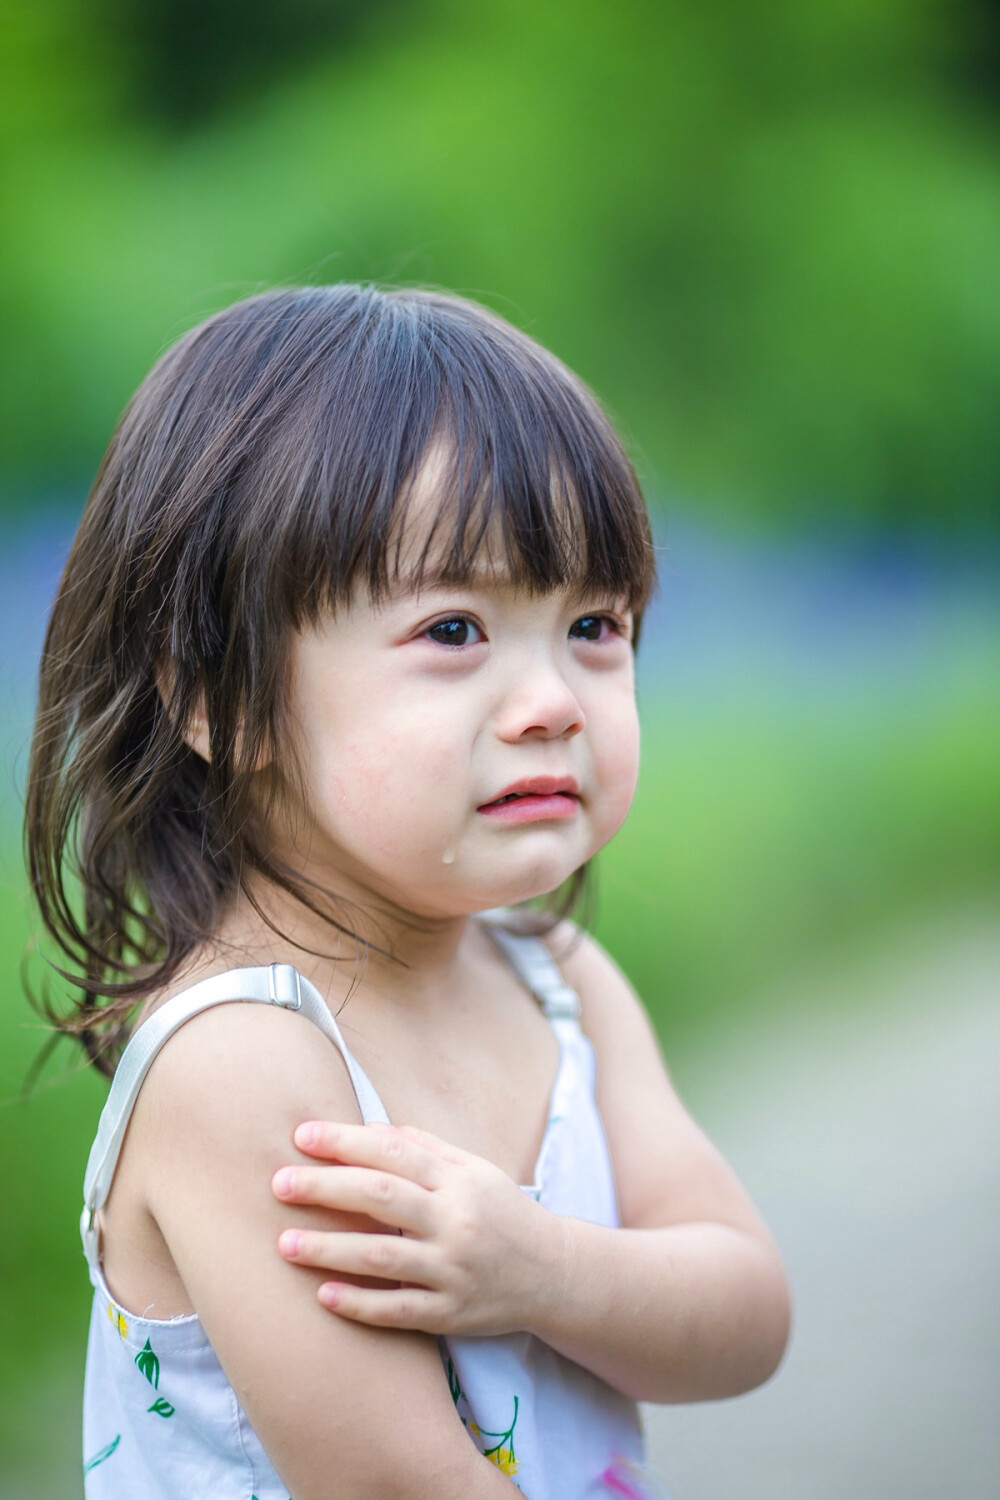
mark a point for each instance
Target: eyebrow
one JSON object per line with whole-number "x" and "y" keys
{"x": 443, "y": 576}
{"x": 485, "y": 576}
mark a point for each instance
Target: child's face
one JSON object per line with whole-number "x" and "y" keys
{"x": 414, "y": 719}
{"x": 461, "y": 747}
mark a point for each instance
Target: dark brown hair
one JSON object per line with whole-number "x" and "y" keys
{"x": 256, "y": 479}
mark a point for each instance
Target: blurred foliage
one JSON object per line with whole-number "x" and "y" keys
{"x": 758, "y": 850}
{"x": 767, "y": 235}
{"x": 190, "y": 60}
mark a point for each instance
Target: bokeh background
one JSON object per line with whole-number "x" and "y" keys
{"x": 768, "y": 236}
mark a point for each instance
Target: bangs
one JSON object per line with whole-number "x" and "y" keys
{"x": 430, "y": 440}
{"x": 526, "y": 519}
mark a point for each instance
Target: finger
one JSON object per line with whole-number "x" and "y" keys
{"x": 435, "y": 1145}
{"x": 390, "y": 1257}
{"x": 403, "y": 1307}
{"x": 358, "y": 1190}
{"x": 386, "y": 1149}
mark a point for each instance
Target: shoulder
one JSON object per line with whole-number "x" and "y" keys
{"x": 651, "y": 1139}
{"x": 233, "y": 1082}
{"x": 247, "y": 1041}
{"x": 610, "y": 1011}
{"x": 586, "y": 965}
{"x": 666, "y": 1170}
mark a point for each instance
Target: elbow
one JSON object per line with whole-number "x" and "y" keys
{"x": 740, "y": 1345}
{"x": 766, "y": 1327}
{"x": 775, "y": 1333}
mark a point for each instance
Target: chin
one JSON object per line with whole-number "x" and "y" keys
{"x": 545, "y": 876}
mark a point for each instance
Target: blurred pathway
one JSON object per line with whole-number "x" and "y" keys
{"x": 866, "y": 1123}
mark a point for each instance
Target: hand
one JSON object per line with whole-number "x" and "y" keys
{"x": 472, "y": 1253}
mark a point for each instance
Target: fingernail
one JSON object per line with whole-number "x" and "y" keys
{"x": 290, "y": 1242}
{"x": 307, "y": 1135}
{"x": 284, "y": 1182}
{"x": 329, "y": 1294}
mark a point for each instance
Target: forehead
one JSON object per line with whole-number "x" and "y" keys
{"x": 443, "y": 533}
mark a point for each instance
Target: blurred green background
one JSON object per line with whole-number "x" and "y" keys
{"x": 767, "y": 235}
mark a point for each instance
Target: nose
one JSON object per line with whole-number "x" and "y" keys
{"x": 540, "y": 704}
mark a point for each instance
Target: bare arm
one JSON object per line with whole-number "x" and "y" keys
{"x": 687, "y": 1301}
{"x": 341, "y": 1408}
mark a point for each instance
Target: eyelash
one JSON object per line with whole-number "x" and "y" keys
{"x": 454, "y": 620}
{"x": 615, "y": 626}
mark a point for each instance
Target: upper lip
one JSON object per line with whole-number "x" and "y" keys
{"x": 538, "y": 786}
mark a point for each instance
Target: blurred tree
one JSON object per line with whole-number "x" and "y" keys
{"x": 767, "y": 235}
{"x": 979, "y": 58}
{"x": 191, "y": 59}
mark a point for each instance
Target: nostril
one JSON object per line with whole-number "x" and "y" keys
{"x": 539, "y": 703}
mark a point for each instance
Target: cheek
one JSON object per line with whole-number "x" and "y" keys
{"x": 390, "y": 789}
{"x": 617, "y": 763}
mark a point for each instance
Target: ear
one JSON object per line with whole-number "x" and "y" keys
{"x": 194, "y": 732}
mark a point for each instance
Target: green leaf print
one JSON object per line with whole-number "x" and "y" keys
{"x": 501, "y": 1453}
{"x": 106, "y": 1452}
{"x": 454, "y": 1384}
{"x": 161, "y": 1407}
{"x": 148, "y": 1365}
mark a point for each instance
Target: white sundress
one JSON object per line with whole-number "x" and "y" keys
{"x": 161, "y": 1420}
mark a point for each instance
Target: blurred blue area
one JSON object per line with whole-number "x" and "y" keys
{"x": 791, "y": 623}
{"x": 31, "y": 559}
{"x": 756, "y": 623}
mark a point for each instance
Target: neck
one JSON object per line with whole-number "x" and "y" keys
{"x": 383, "y": 952}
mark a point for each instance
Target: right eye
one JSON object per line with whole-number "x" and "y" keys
{"x": 456, "y": 630}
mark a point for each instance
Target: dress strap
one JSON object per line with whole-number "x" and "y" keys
{"x": 270, "y": 984}
{"x": 537, "y": 971}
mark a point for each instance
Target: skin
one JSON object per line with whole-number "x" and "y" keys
{"x": 406, "y": 721}
{"x": 687, "y": 1301}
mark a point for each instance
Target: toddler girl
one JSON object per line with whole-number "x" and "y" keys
{"x": 339, "y": 676}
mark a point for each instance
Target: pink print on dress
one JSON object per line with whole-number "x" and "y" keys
{"x": 623, "y": 1478}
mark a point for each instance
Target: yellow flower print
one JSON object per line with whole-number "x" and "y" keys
{"x": 119, "y": 1320}
{"x": 504, "y": 1460}
{"x": 501, "y": 1451}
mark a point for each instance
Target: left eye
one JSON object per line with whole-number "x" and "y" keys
{"x": 590, "y": 627}
{"x": 456, "y": 631}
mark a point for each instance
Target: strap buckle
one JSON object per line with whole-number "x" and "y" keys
{"x": 560, "y": 1002}
{"x": 284, "y": 986}
{"x": 89, "y": 1234}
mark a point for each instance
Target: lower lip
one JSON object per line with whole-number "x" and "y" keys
{"x": 531, "y": 809}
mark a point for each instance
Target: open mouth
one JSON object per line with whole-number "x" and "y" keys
{"x": 520, "y": 796}
{"x": 536, "y": 800}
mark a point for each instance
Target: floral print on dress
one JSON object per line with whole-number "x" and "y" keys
{"x": 104, "y": 1453}
{"x": 118, "y": 1320}
{"x": 500, "y": 1452}
{"x": 623, "y": 1478}
{"x": 147, "y": 1363}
